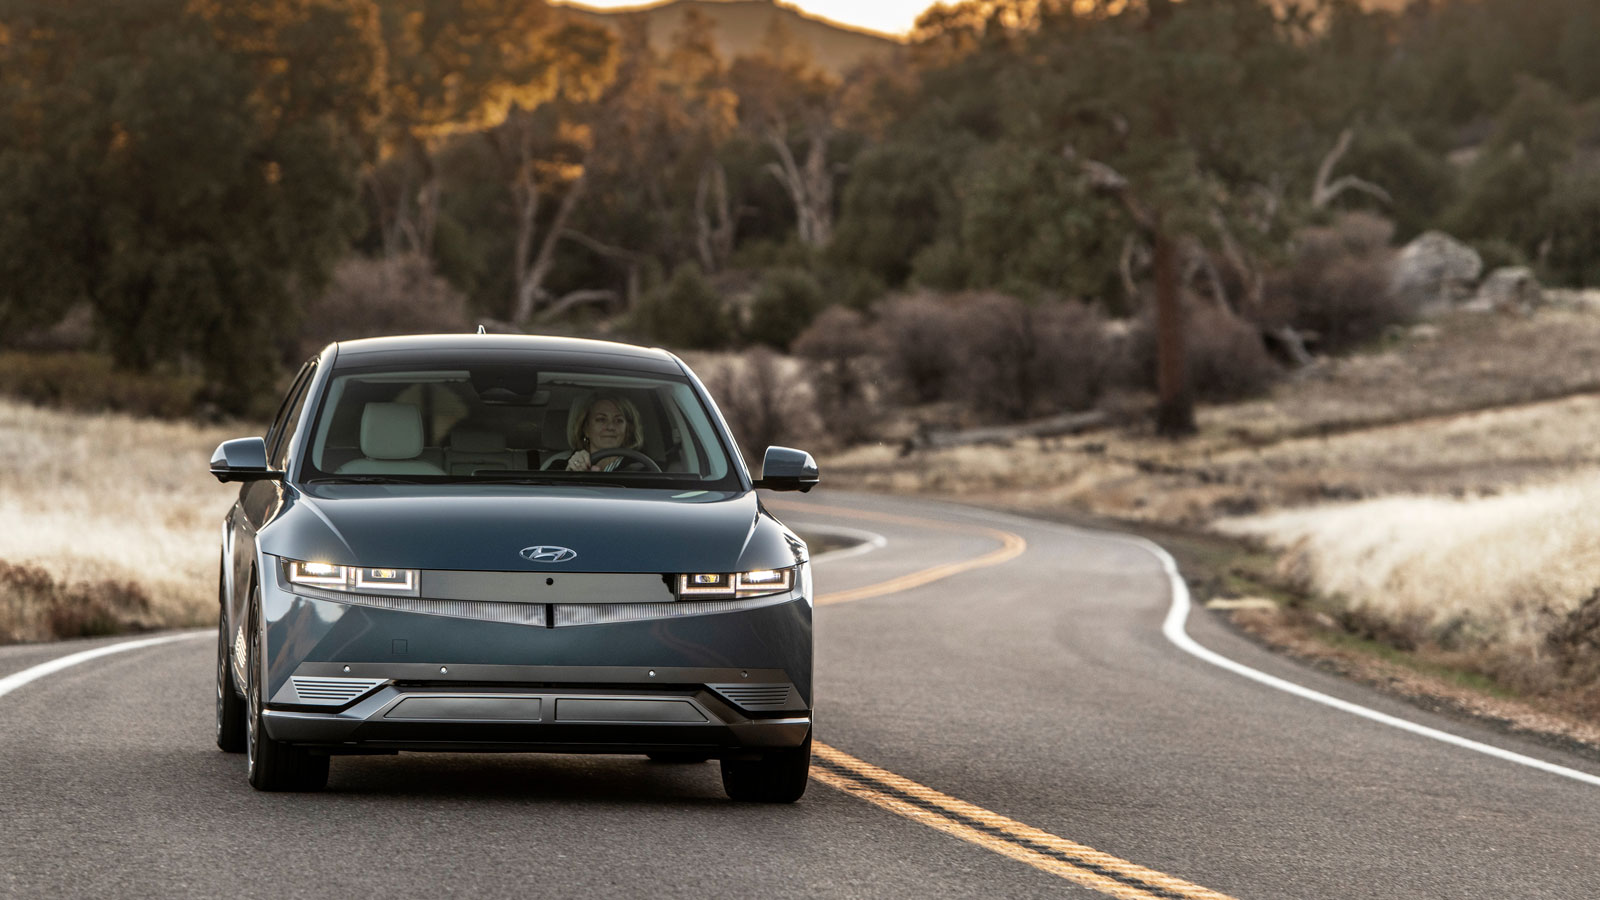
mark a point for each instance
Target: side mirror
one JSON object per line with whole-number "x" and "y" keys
{"x": 242, "y": 459}
{"x": 786, "y": 469}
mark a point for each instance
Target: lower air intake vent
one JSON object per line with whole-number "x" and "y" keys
{"x": 331, "y": 691}
{"x": 756, "y": 697}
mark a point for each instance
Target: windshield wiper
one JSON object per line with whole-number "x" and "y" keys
{"x": 366, "y": 479}
{"x": 534, "y": 479}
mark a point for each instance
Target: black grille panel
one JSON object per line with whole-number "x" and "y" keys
{"x": 755, "y": 697}
{"x": 331, "y": 691}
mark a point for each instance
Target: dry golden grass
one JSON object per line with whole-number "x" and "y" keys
{"x": 1461, "y": 573}
{"x": 110, "y": 498}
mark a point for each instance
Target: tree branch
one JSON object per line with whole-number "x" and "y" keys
{"x": 603, "y": 248}
{"x": 1323, "y": 192}
{"x": 1106, "y": 180}
{"x": 573, "y": 300}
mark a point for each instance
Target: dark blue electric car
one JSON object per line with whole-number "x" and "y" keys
{"x": 498, "y": 543}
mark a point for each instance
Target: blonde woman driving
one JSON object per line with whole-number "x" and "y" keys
{"x": 604, "y": 432}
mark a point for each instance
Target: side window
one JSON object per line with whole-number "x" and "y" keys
{"x": 278, "y": 453}
{"x": 275, "y": 430}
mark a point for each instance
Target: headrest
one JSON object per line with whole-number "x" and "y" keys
{"x": 553, "y": 432}
{"x": 391, "y": 431}
{"x": 469, "y": 441}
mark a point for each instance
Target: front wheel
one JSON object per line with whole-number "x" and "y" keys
{"x": 778, "y": 777}
{"x": 274, "y": 765}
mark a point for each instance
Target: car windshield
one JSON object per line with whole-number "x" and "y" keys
{"x": 515, "y": 424}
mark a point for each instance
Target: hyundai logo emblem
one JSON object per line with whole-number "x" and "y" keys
{"x": 548, "y": 554}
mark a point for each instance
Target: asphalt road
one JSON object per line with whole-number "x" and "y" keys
{"x": 1018, "y": 727}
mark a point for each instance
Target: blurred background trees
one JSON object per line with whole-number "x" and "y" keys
{"x": 1081, "y": 182}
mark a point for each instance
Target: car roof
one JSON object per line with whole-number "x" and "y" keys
{"x": 502, "y": 348}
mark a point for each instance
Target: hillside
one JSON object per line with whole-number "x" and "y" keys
{"x": 741, "y": 24}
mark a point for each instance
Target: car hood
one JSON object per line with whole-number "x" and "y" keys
{"x": 472, "y": 527}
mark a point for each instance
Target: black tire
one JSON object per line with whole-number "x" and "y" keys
{"x": 231, "y": 709}
{"x": 273, "y": 765}
{"x": 778, "y": 777}
{"x": 678, "y": 756}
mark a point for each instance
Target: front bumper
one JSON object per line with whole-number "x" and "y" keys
{"x": 516, "y": 715}
{"x": 349, "y": 678}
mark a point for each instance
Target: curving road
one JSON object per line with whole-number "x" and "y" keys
{"x": 1001, "y": 715}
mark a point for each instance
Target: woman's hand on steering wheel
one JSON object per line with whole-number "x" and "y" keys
{"x": 627, "y": 454}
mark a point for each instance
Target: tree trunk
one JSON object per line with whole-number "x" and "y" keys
{"x": 530, "y": 281}
{"x": 819, "y": 183}
{"x": 525, "y": 195}
{"x": 408, "y": 224}
{"x": 810, "y": 187}
{"x": 1175, "y": 404}
{"x": 714, "y": 224}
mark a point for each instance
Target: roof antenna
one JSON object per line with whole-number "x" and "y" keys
{"x": 481, "y": 331}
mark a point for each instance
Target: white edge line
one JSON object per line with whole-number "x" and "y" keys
{"x": 1173, "y": 627}
{"x": 18, "y": 679}
{"x": 867, "y": 541}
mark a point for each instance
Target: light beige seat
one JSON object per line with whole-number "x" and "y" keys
{"x": 472, "y": 450}
{"x": 391, "y": 441}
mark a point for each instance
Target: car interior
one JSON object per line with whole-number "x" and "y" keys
{"x": 446, "y": 427}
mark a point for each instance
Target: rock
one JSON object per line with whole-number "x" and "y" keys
{"x": 1434, "y": 272}
{"x": 1512, "y": 289}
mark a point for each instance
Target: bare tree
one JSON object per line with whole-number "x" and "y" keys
{"x": 546, "y": 150}
{"x": 786, "y": 101}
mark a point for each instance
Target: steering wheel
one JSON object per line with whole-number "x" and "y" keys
{"x": 627, "y": 454}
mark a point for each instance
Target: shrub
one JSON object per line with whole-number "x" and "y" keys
{"x": 892, "y": 205}
{"x": 765, "y": 400}
{"x": 855, "y": 288}
{"x": 1571, "y": 219}
{"x": 1070, "y": 364}
{"x": 841, "y": 361}
{"x": 918, "y": 338}
{"x": 372, "y": 297}
{"x": 1224, "y": 355}
{"x": 686, "y": 312}
{"x": 1421, "y": 181}
{"x": 999, "y": 357}
{"x": 91, "y": 383}
{"x": 1497, "y": 254}
{"x": 37, "y": 607}
{"x": 941, "y": 266}
{"x": 1338, "y": 284}
{"x": 1227, "y": 359}
{"x": 784, "y": 304}
{"x": 1574, "y": 643}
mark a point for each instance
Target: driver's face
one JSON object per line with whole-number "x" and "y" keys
{"x": 606, "y": 426}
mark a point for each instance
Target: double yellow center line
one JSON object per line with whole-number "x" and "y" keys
{"x": 1075, "y": 862}
{"x": 1080, "y": 864}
